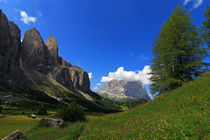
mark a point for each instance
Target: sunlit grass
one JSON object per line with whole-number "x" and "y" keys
{"x": 173, "y": 115}
{"x": 11, "y": 123}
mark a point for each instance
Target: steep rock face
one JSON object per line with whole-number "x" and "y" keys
{"x": 80, "y": 79}
{"x": 52, "y": 47}
{"x": 32, "y": 64}
{"x": 62, "y": 75}
{"x": 64, "y": 62}
{"x": 9, "y": 50}
{"x": 34, "y": 52}
{"x": 124, "y": 89}
{"x": 74, "y": 78}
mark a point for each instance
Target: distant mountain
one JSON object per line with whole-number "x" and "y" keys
{"x": 33, "y": 71}
{"x": 121, "y": 89}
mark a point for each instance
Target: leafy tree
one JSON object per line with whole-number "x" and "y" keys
{"x": 206, "y": 26}
{"x": 177, "y": 51}
{"x": 42, "y": 110}
{"x": 72, "y": 113}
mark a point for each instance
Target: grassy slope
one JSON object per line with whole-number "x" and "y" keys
{"x": 173, "y": 115}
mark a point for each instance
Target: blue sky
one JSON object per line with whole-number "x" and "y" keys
{"x": 101, "y": 36}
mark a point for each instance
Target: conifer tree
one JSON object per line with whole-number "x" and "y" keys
{"x": 177, "y": 51}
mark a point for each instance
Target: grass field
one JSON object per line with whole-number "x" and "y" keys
{"x": 11, "y": 123}
{"x": 178, "y": 114}
{"x": 72, "y": 132}
{"x": 32, "y": 132}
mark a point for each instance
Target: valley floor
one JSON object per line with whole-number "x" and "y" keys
{"x": 178, "y": 114}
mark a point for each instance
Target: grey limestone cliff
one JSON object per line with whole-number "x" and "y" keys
{"x": 9, "y": 50}
{"x": 124, "y": 89}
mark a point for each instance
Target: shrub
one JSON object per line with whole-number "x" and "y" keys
{"x": 72, "y": 113}
{"x": 42, "y": 110}
{"x": 43, "y": 123}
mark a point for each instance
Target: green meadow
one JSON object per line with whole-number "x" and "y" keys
{"x": 178, "y": 114}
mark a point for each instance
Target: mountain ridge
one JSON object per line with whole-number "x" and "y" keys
{"x": 123, "y": 89}
{"x": 32, "y": 68}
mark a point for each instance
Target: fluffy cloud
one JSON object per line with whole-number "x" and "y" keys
{"x": 90, "y": 75}
{"x": 95, "y": 88}
{"x": 98, "y": 84}
{"x": 196, "y": 3}
{"x": 26, "y": 19}
{"x": 121, "y": 74}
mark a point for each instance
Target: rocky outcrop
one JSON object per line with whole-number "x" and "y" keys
{"x": 34, "y": 52}
{"x": 124, "y": 89}
{"x": 80, "y": 79}
{"x": 9, "y": 50}
{"x": 15, "y": 135}
{"x": 74, "y": 78}
{"x": 64, "y": 62}
{"x": 52, "y": 47}
{"x": 57, "y": 123}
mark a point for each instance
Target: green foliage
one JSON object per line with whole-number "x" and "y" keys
{"x": 43, "y": 123}
{"x": 122, "y": 105}
{"x": 171, "y": 116}
{"x": 206, "y": 26}
{"x": 178, "y": 55}
{"x": 72, "y": 113}
{"x": 42, "y": 110}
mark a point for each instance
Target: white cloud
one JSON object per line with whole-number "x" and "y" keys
{"x": 196, "y": 3}
{"x": 26, "y": 19}
{"x": 95, "y": 88}
{"x": 90, "y": 75}
{"x": 186, "y": 2}
{"x": 98, "y": 84}
{"x": 121, "y": 74}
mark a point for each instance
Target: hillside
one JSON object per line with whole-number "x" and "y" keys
{"x": 179, "y": 114}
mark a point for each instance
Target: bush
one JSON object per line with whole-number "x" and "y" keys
{"x": 43, "y": 123}
{"x": 72, "y": 113}
{"x": 42, "y": 110}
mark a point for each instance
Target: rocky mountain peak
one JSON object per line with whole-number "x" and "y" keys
{"x": 34, "y": 51}
{"x": 52, "y": 46}
{"x": 51, "y": 43}
{"x": 124, "y": 89}
{"x": 36, "y": 63}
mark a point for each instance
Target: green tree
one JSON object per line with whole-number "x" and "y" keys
{"x": 177, "y": 53}
{"x": 72, "y": 113}
{"x": 206, "y": 26}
